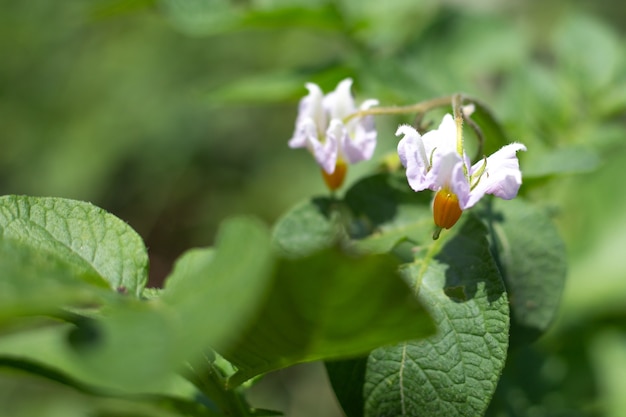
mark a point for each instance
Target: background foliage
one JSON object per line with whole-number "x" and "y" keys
{"x": 175, "y": 114}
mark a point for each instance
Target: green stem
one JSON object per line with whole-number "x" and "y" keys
{"x": 457, "y": 102}
{"x": 212, "y": 383}
{"x": 421, "y": 107}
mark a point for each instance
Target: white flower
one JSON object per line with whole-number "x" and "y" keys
{"x": 320, "y": 128}
{"x": 434, "y": 161}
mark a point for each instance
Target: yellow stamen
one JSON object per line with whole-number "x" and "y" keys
{"x": 333, "y": 181}
{"x": 446, "y": 210}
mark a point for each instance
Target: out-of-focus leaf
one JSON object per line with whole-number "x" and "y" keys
{"x": 608, "y": 354}
{"x": 347, "y": 378}
{"x": 115, "y": 8}
{"x": 596, "y": 67}
{"x": 37, "y": 282}
{"x": 532, "y": 260}
{"x": 387, "y": 26}
{"x": 212, "y": 297}
{"x": 228, "y": 283}
{"x": 78, "y": 233}
{"x": 323, "y": 17}
{"x": 454, "y": 373}
{"x": 201, "y": 17}
{"x": 212, "y": 17}
{"x": 309, "y": 227}
{"x": 492, "y": 131}
{"x": 56, "y": 398}
{"x": 259, "y": 89}
{"x": 569, "y": 160}
{"x": 327, "y": 306}
{"x": 44, "y": 348}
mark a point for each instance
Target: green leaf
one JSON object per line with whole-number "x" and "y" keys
{"x": 311, "y": 226}
{"x": 347, "y": 378}
{"x": 492, "y": 131}
{"x": 384, "y": 209}
{"x": 532, "y": 261}
{"x": 78, "y": 233}
{"x": 598, "y": 65}
{"x": 58, "y": 396}
{"x": 608, "y": 354}
{"x": 328, "y": 305}
{"x": 37, "y": 282}
{"x": 455, "y": 372}
{"x": 201, "y": 17}
{"x": 569, "y": 160}
{"x": 227, "y": 284}
{"x": 210, "y": 296}
{"x": 259, "y": 88}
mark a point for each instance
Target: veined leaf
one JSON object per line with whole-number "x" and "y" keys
{"x": 37, "y": 282}
{"x": 78, "y": 233}
{"x": 210, "y": 296}
{"x": 329, "y": 305}
{"x": 532, "y": 260}
{"x": 455, "y": 372}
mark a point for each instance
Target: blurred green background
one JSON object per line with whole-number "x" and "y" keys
{"x": 175, "y": 114}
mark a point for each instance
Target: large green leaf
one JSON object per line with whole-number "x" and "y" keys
{"x": 216, "y": 292}
{"x": 212, "y": 295}
{"x": 78, "y": 233}
{"x": 58, "y": 396}
{"x": 455, "y": 372}
{"x": 532, "y": 259}
{"x": 329, "y": 305}
{"x": 37, "y": 282}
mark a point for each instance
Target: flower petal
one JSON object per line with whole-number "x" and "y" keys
{"x": 311, "y": 120}
{"x": 414, "y": 158}
{"x": 502, "y": 176}
{"x": 361, "y": 147}
{"x": 448, "y": 173}
{"x": 340, "y": 103}
{"x": 443, "y": 139}
{"x": 362, "y": 136}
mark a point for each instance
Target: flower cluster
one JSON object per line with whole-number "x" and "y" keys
{"x": 337, "y": 133}
{"x": 437, "y": 161}
{"x": 322, "y": 127}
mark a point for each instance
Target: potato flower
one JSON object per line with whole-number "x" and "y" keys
{"x": 437, "y": 161}
{"x": 323, "y": 127}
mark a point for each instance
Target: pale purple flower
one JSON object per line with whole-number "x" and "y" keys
{"x": 432, "y": 161}
{"x": 322, "y": 129}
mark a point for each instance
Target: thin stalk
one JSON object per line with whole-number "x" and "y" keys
{"x": 421, "y": 107}
{"x": 212, "y": 383}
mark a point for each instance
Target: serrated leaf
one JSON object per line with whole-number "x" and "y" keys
{"x": 212, "y": 295}
{"x": 78, "y": 233}
{"x": 532, "y": 260}
{"x": 328, "y": 305}
{"x": 455, "y": 372}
